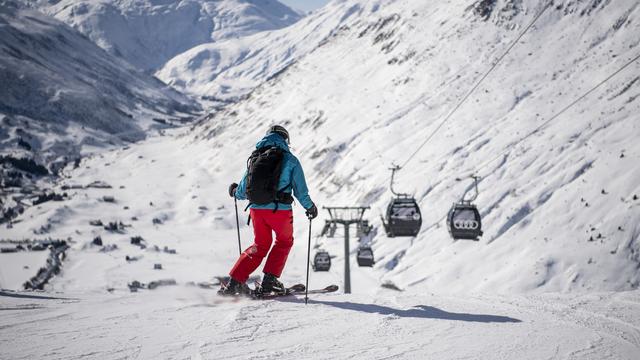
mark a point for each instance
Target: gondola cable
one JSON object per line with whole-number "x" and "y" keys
{"x": 397, "y": 222}
{"x": 533, "y": 132}
{"x": 464, "y": 220}
{"x": 478, "y": 83}
{"x": 554, "y": 117}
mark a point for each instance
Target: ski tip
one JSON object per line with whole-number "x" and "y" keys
{"x": 331, "y": 288}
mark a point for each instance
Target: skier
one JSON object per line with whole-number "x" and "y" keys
{"x": 273, "y": 173}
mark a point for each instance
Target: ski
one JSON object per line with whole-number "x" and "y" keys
{"x": 291, "y": 290}
{"x": 326, "y": 290}
{"x": 298, "y": 289}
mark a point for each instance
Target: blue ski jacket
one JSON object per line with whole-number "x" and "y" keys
{"x": 292, "y": 176}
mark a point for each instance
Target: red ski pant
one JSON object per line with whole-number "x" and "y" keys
{"x": 265, "y": 222}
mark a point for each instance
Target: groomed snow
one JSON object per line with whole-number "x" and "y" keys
{"x": 184, "y": 323}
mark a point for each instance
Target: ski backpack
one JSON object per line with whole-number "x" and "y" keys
{"x": 264, "y": 167}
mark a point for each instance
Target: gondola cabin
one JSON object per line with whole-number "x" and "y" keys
{"x": 329, "y": 229}
{"x": 365, "y": 256}
{"x": 403, "y": 217}
{"x": 464, "y": 222}
{"x": 321, "y": 261}
{"x": 363, "y": 229}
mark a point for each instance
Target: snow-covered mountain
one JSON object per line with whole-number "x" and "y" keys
{"x": 558, "y": 196}
{"x": 232, "y": 68}
{"x": 63, "y": 97}
{"x": 61, "y": 93}
{"x": 552, "y": 131}
{"x": 147, "y": 33}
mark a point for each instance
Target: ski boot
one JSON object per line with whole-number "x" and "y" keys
{"x": 271, "y": 285}
{"x": 234, "y": 288}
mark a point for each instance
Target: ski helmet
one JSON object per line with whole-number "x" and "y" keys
{"x": 280, "y": 130}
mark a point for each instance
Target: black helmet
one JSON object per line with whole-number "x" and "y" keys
{"x": 280, "y": 131}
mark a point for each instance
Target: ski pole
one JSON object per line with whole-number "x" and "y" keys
{"x": 306, "y": 289}
{"x": 235, "y": 201}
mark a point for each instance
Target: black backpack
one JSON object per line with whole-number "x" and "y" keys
{"x": 264, "y": 167}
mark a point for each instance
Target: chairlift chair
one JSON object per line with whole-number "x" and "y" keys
{"x": 365, "y": 256}
{"x": 464, "y": 221}
{"x": 403, "y": 217}
{"x": 321, "y": 261}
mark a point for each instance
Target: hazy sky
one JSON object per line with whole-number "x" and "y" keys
{"x": 305, "y": 5}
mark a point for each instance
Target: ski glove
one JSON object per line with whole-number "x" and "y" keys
{"x": 312, "y": 212}
{"x": 232, "y": 189}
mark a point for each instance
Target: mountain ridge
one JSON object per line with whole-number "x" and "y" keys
{"x": 147, "y": 33}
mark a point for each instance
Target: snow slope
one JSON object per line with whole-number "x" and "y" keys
{"x": 62, "y": 95}
{"x": 232, "y": 68}
{"x": 20, "y": 267}
{"x": 560, "y": 208}
{"x": 187, "y": 324}
{"x": 554, "y": 276}
{"x": 87, "y": 311}
{"x": 147, "y": 33}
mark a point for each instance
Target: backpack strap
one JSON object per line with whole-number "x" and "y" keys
{"x": 284, "y": 197}
{"x": 248, "y": 217}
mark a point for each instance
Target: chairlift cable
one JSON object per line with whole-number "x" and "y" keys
{"x": 478, "y": 83}
{"x": 555, "y": 116}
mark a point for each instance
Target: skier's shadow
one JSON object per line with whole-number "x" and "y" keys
{"x": 419, "y": 311}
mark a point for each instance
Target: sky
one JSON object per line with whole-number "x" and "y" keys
{"x": 306, "y": 5}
